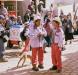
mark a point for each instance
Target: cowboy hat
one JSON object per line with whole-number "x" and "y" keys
{"x": 57, "y": 20}
{"x": 37, "y": 17}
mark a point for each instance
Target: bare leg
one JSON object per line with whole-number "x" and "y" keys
{"x": 20, "y": 60}
{"x": 24, "y": 60}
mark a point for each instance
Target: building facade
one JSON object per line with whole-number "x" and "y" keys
{"x": 17, "y": 7}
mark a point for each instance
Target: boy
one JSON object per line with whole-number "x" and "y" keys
{"x": 56, "y": 46}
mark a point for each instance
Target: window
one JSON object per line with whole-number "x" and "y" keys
{"x": 10, "y": 5}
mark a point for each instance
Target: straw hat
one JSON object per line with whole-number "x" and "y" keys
{"x": 57, "y": 20}
{"x": 37, "y": 17}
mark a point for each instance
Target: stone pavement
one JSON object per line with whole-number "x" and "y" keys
{"x": 69, "y": 60}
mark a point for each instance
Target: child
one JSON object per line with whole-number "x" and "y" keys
{"x": 36, "y": 42}
{"x": 56, "y": 46}
{"x": 24, "y": 54}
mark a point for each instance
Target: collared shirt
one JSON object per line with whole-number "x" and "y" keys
{"x": 35, "y": 40}
{"x": 58, "y": 37}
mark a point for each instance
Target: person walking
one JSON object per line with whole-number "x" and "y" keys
{"x": 70, "y": 27}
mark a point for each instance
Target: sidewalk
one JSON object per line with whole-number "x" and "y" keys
{"x": 69, "y": 59}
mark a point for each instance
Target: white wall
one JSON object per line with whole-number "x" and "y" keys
{"x": 48, "y": 4}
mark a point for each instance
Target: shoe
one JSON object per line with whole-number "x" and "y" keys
{"x": 58, "y": 70}
{"x": 40, "y": 66}
{"x": 35, "y": 69}
{"x": 53, "y": 68}
{"x": 3, "y": 60}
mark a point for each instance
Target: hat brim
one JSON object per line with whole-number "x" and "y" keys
{"x": 58, "y": 23}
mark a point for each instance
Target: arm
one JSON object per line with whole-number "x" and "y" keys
{"x": 42, "y": 32}
{"x": 60, "y": 43}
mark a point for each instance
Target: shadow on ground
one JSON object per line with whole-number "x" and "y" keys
{"x": 70, "y": 67}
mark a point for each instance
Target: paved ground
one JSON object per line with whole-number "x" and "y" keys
{"x": 69, "y": 59}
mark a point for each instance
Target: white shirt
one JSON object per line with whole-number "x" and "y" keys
{"x": 35, "y": 40}
{"x": 58, "y": 38}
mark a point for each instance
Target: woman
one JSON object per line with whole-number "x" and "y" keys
{"x": 68, "y": 29}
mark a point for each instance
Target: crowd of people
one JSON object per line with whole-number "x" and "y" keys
{"x": 39, "y": 33}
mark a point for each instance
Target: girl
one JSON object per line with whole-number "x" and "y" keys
{"x": 36, "y": 41}
{"x": 24, "y": 54}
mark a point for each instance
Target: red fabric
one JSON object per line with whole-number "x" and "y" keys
{"x": 27, "y": 45}
{"x": 37, "y": 52}
{"x": 56, "y": 56}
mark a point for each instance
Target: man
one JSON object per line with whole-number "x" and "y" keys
{"x": 3, "y": 11}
